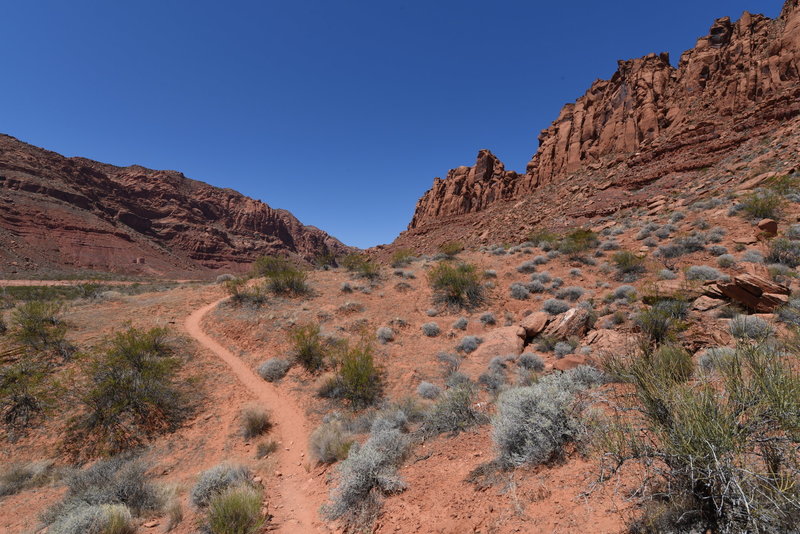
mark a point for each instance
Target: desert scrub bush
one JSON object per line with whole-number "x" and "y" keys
{"x": 131, "y": 392}
{"x": 361, "y": 266}
{"x": 671, "y": 250}
{"x": 240, "y": 293}
{"x": 431, "y": 329}
{"x": 790, "y": 312}
{"x": 426, "y": 390}
{"x": 726, "y": 260}
{"x": 715, "y": 358}
{"x": 628, "y": 264}
{"x": 750, "y": 327}
{"x": 330, "y": 442}
{"x": 667, "y": 274}
{"x": 702, "y": 443}
{"x": 533, "y": 423}
{"x": 609, "y": 244}
{"x": 487, "y": 319}
{"x": 38, "y": 326}
{"x": 453, "y": 412}
{"x": 215, "y": 481}
{"x": 451, "y": 248}
{"x": 468, "y": 344}
{"x": 95, "y": 519}
{"x": 289, "y": 282}
{"x": 368, "y": 473}
{"x": 15, "y": 477}
{"x": 274, "y": 369}
{"x": 555, "y": 306}
{"x": 402, "y": 258}
{"x": 225, "y": 278}
{"x": 120, "y": 481}
{"x": 753, "y": 256}
{"x": 784, "y": 251}
{"x": 520, "y": 291}
{"x": 761, "y": 205}
{"x": 449, "y": 362}
{"x": 577, "y": 241}
{"x": 657, "y": 325}
{"x": 562, "y": 348}
{"x": 527, "y": 267}
{"x": 456, "y": 286}
{"x": 237, "y": 510}
{"x": 460, "y": 323}
{"x": 26, "y": 393}
{"x": 359, "y": 376}
{"x": 624, "y": 292}
{"x": 717, "y": 250}
{"x": 703, "y": 272}
{"x": 384, "y": 335}
{"x": 570, "y": 293}
{"x": 308, "y": 347}
{"x": 255, "y": 421}
{"x": 531, "y": 362}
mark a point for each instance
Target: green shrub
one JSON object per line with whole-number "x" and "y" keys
{"x": 361, "y": 266}
{"x": 240, "y": 293}
{"x": 627, "y": 263}
{"x": 784, "y": 251}
{"x": 255, "y": 421}
{"x": 38, "y": 325}
{"x": 402, "y": 257}
{"x": 657, "y": 324}
{"x": 308, "y": 347}
{"x": 457, "y": 286}
{"x": 359, "y": 376}
{"x": 131, "y": 392}
{"x": 236, "y": 511}
{"x": 289, "y": 282}
{"x": 267, "y": 266}
{"x": 577, "y": 241}
{"x": 762, "y": 205}
{"x": 720, "y": 450}
{"x": 542, "y": 236}
{"x": 451, "y": 248}
{"x": 25, "y": 393}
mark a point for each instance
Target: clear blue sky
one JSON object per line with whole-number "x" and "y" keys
{"x": 339, "y": 111}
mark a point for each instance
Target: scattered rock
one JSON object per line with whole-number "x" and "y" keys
{"x": 755, "y": 293}
{"x": 574, "y": 322}
{"x": 768, "y": 226}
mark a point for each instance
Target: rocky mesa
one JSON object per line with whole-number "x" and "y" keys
{"x": 60, "y": 214}
{"x": 651, "y": 122}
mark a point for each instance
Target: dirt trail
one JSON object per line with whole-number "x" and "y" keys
{"x": 295, "y": 508}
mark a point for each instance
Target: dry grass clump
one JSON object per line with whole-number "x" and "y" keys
{"x": 330, "y": 442}
{"x": 255, "y": 421}
{"x": 237, "y": 510}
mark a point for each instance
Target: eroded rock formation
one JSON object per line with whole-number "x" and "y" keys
{"x": 650, "y": 119}
{"x": 60, "y": 213}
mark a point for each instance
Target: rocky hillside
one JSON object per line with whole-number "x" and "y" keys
{"x": 729, "y": 110}
{"x": 61, "y": 215}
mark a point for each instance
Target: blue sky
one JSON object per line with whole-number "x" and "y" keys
{"x": 341, "y": 112}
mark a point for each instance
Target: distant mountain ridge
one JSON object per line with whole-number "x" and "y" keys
{"x": 650, "y": 122}
{"x": 72, "y": 214}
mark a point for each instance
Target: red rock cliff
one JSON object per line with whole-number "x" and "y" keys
{"x": 650, "y": 119}
{"x": 60, "y": 213}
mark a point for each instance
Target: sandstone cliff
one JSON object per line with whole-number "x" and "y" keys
{"x": 67, "y": 214}
{"x": 650, "y": 120}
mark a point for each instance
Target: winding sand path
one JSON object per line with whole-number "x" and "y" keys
{"x": 295, "y": 508}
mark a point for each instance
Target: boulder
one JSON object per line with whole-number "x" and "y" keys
{"x": 704, "y": 303}
{"x": 570, "y": 361}
{"x": 574, "y": 322}
{"x": 755, "y": 293}
{"x": 500, "y": 342}
{"x": 768, "y": 226}
{"x": 534, "y": 323}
